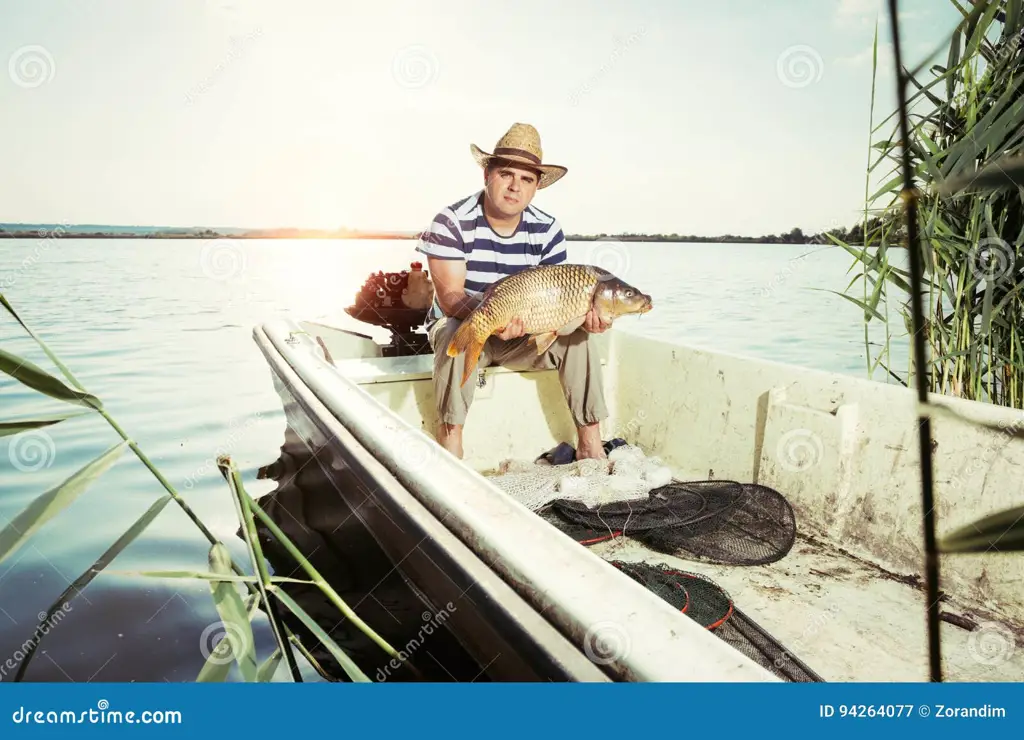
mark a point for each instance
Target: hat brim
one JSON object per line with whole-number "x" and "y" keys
{"x": 549, "y": 173}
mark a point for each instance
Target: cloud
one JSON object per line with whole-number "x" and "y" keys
{"x": 862, "y": 59}
{"x": 853, "y": 13}
{"x": 863, "y": 13}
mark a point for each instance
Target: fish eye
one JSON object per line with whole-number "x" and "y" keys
{"x": 629, "y": 294}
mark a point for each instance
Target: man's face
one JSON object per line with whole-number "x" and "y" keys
{"x": 510, "y": 188}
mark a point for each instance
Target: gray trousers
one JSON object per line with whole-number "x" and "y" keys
{"x": 574, "y": 356}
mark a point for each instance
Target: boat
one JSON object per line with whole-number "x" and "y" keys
{"x": 846, "y": 601}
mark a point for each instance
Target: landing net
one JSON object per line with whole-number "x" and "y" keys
{"x": 631, "y": 494}
{"x": 634, "y": 495}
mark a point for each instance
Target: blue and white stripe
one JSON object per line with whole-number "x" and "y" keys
{"x": 461, "y": 232}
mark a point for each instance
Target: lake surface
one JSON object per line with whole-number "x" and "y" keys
{"x": 161, "y": 331}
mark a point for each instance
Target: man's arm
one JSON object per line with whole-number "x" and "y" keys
{"x": 449, "y": 276}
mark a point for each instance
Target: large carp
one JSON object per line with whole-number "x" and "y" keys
{"x": 551, "y": 301}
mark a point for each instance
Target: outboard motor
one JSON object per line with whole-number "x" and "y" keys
{"x": 397, "y": 301}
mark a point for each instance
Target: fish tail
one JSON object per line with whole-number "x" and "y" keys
{"x": 467, "y": 339}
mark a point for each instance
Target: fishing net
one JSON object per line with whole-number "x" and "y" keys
{"x": 710, "y": 606}
{"x": 633, "y": 495}
{"x": 626, "y": 474}
{"x": 723, "y": 522}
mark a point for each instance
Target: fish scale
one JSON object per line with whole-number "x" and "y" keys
{"x": 549, "y": 299}
{"x": 546, "y": 298}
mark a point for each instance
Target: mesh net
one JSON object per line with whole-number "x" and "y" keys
{"x": 626, "y": 474}
{"x": 633, "y": 495}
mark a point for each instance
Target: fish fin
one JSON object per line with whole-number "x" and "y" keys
{"x": 465, "y": 340}
{"x": 472, "y": 357}
{"x": 461, "y": 339}
{"x": 544, "y": 341}
{"x": 572, "y": 326}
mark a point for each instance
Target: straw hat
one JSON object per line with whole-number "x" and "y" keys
{"x": 521, "y": 145}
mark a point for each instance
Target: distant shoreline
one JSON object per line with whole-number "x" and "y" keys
{"x": 56, "y": 231}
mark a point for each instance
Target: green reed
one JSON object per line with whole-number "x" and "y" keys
{"x": 964, "y": 115}
{"x": 963, "y": 235}
{"x": 237, "y": 647}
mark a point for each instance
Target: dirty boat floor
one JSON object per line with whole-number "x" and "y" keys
{"x": 848, "y": 619}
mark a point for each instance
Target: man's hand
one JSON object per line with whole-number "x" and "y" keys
{"x": 594, "y": 324}
{"x": 514, "y": 330}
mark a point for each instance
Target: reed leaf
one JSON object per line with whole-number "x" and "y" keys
{"x": 34, "y": 516}
{"x": 79, "y": 584}
{"x": 49, "y": 353}
{"x": 24, "y": 425}
{"x": 1006, "y": 172}
{"x": 33, "y": 376}
{"x": 269, "y": 667}
{"x": 233, "y": 613}
{"x": 1002, "y": 532}
{"x": 252, "y": 542}
{"x": 868, "y": 310}
{"x": 347, "y": 664}
{"x": 205, "y": 576}
{"x": 218, "y": 663}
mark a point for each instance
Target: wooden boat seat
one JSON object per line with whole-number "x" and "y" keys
{"x": 366, "y": 370}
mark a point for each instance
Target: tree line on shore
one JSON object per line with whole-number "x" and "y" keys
{"x": 852, "y": 235}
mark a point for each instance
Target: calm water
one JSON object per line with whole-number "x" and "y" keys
{"x": 162, "y": 333}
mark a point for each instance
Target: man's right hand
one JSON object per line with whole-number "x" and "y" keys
{"x": 514, "y": 330}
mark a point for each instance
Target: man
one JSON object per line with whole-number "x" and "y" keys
{"x": 480, "y": 239}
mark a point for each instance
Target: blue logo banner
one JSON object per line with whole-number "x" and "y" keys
{"x": 507, "y": 710}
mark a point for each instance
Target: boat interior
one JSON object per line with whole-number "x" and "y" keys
{"x": 845, "y": 600}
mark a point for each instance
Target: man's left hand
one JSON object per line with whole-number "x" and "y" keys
{"x": 594, "y": 324}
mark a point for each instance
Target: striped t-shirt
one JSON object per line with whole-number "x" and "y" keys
{"x": 461, "y": 232}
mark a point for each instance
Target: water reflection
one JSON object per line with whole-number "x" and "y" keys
{"x": 308, "y": 508}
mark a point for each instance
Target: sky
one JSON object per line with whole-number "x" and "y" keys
{"x": 746, "y": 117}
